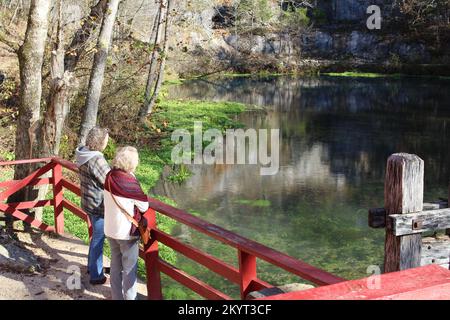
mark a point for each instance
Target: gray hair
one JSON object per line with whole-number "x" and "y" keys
{"x": 96, "y": 138}
{"x": 126, "y": 159}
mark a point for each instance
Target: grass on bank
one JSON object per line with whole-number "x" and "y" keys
{"x": 353, "y": 74}
{"x": 168, "y": 116}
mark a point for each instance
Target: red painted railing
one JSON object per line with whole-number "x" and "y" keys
{"x": 245, "y": 276}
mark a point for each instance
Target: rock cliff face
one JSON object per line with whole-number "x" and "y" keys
{"x": 200, "y": 44}
{"x": 353, "y": 10}
{"x": 343, "y": 39}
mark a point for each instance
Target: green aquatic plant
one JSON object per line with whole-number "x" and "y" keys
{"x": 254, "y": 203}
{"x": 180, "y": 174}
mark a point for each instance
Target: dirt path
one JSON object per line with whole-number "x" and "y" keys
{"x": 44, "y": 266}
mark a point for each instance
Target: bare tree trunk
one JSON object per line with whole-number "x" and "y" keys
{"x": 81, "y": 36}
{"x": 158, "y": 62}
{"x": 31, "y": 56}
{"x": 154, "y": 38}
{"x": 61, "y": 86}
{"x": 98, "y": 70}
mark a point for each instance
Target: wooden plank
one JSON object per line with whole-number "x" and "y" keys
{"x": 435, "y": 205}
{"x": 300, "y": 268}
{"x": 35, "y": 182}
{"x": 151, "y": 258}
{"x": 26, "y": 218}
{"x": 247, "y": 271}
{"x": 417, "y": 223}
{"x": 192, "y": 283}
{"x": 66, "y": 164}
{"x": 25, "y": 182}
{"x": 212, "y": 263}
{"x": 58, "y": 196}
{"x": 31, "y": 204}
{"x": 417, "y": 283}
{"x": 71, "y": 187}
{"x": 26, "y": 161}
{"x": 436, "y": 250}
{"x": 75, "y": 210}
{"x": 403, "y": 193}
{"x": 377, "y": 216}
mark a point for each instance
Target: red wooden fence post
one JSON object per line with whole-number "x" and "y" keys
{"x": 58, "y": 195}
{"x": 154, "y": 291}
{"x": 247, "y": 271}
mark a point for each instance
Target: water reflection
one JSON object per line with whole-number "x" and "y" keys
{"x": 336, "y": 136}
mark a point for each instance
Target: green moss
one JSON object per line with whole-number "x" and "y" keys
{"x": 254, "y": 203}
{"x": 358, "y": 74}
{"x": 353, "y": 74}
{"x": 180, "y": 174}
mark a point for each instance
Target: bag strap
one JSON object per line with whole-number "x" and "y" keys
{"x": 129, "y": 218}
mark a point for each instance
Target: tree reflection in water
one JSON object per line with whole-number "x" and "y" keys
{"x": 336, "y": 136}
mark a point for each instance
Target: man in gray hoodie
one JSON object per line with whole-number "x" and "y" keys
{"x": 93, "y": 169}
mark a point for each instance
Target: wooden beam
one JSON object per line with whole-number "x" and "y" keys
{"x": 212, "y": 263}
{"x": 290, "y": 264}
{"x": 35, "y": 182}
{"x": 26, "y": 161}
{"x": 151, "y": 258}
{"x": 191, "y": 282}
{"x": 436, "y": 250}
{"x": 71, "y": 187}
{"x": 424, "y": 283}
{"x": 31, "y": 204}
{"x": 417, "y": 223}
{"x": 66, "y": 164}
{"x": 58, "y": 197}
{"x": 26, "y": 218}
{"x": 26, "y": 181}
{"x": 403, "y": 193}
{"x": 247, "y": 271}
{"x": 75, "y": 209}
{"x": 377, "y": 216}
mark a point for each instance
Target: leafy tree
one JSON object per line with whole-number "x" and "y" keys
{"x": 429, "y": 13}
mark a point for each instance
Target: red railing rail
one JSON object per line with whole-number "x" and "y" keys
{"x": 245, "y": 276}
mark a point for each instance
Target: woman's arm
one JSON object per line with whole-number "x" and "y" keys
{"x": 141, "y": 205}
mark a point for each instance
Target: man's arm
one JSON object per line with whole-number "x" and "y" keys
{"x": 100, "y": 169}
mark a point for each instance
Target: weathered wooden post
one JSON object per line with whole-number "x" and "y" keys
{"x": 403, "y": 193}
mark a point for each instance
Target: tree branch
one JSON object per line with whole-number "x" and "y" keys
{"x": 12, "y": 45}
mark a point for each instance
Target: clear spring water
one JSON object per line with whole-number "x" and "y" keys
{"x": 336, "y": 136}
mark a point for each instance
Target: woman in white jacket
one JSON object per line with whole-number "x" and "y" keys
{"x": 123, "y": 196}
